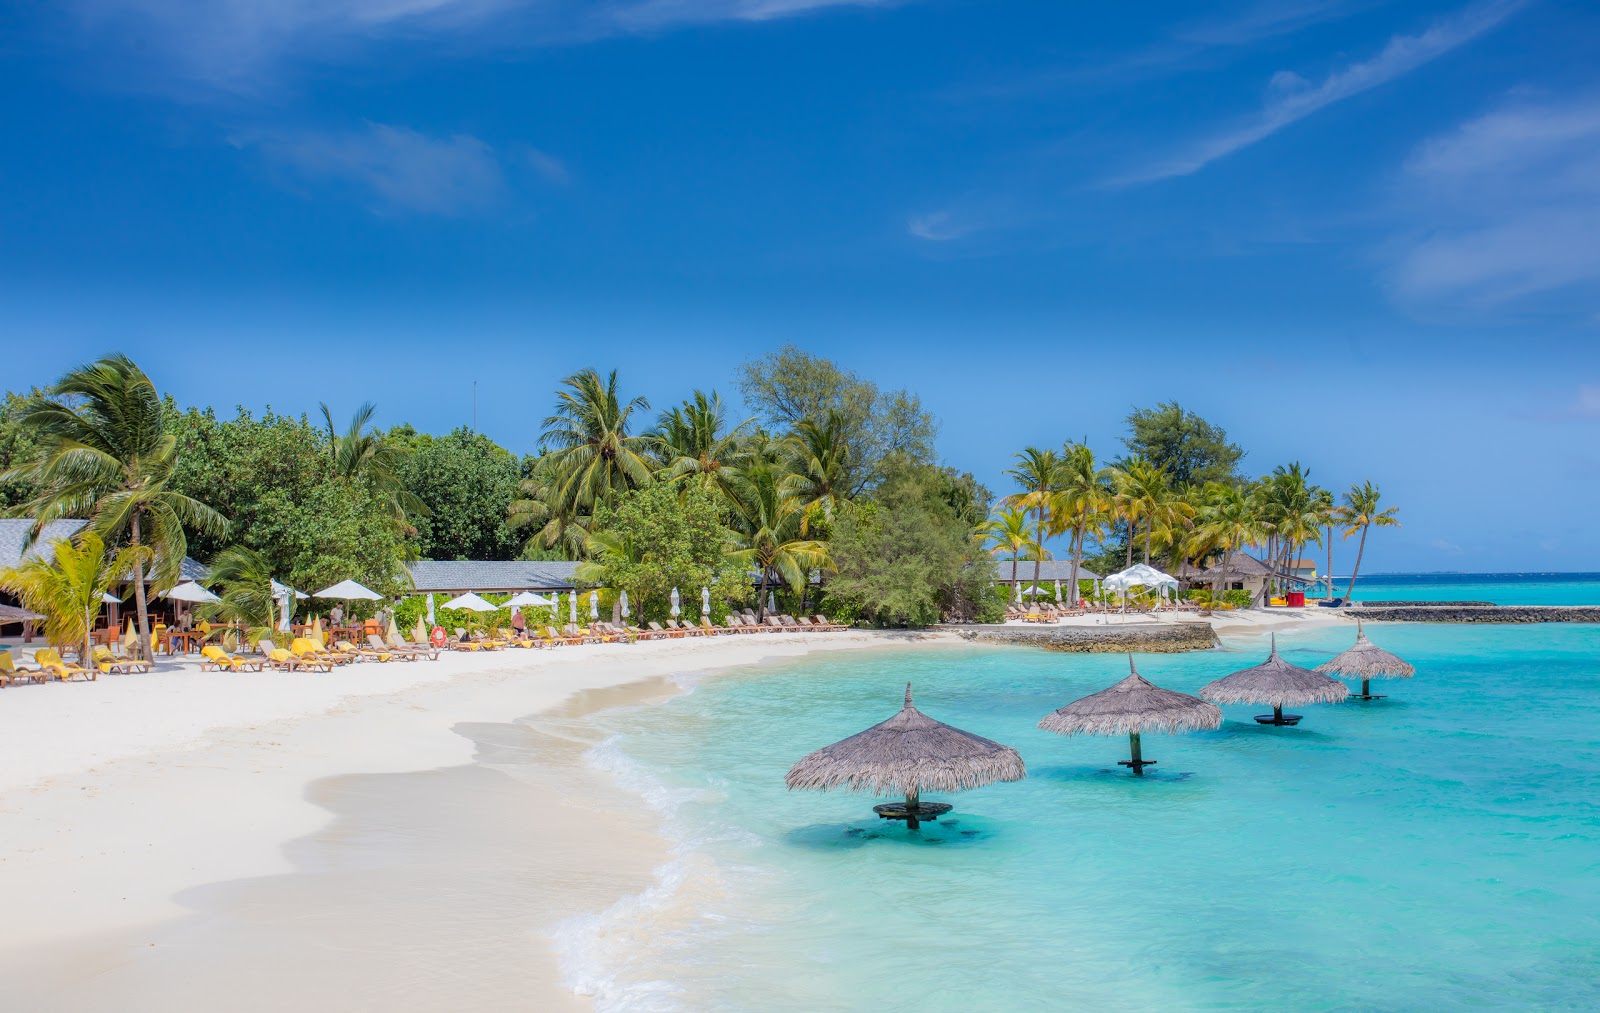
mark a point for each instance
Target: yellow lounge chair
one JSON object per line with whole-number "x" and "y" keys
{"x": 11, "y": 672}
{"x": 315, "y": 654}
{"x": 216, "y": 658}
{"x": 349, "y": 649}
{"x": 110, "y": 664}
{"x": 49, "y": 662}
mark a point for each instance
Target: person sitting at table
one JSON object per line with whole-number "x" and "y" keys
{"x": 336, "y": 616}
{"x": 519, "y": 624}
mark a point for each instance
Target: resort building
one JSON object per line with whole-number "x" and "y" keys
{"x": 1050, "y": 570}
{"x": 453, "y": 577}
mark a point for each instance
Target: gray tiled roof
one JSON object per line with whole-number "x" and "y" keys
{"x": 492, "y": 575}
{"x": 14, "y": 535}
{"x": 1049, "y": 569}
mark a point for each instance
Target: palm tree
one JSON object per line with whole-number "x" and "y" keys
{"x": 1081, "y": 498}
{"x": 1325, "y": 510}
{"x": 692, "y": 442}
{"x": 1228, "y": 521}
{"x": 594, "y": 459}
{"x": 818, "y": 458}
{"x": 243, "y": 579}
{"x": 1359, "y": 512}
{"x": 69, "y": 589}
{"x": 108, "y": 457}
{"x": 769, "y": 531}
{"x": 1007, "y": 531}
{"x": 1039, "y": 474}
{"x": 366, "y": 455}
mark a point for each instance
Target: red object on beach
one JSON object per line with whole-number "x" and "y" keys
{"x": 437, "y": 636}
{"x": 1296, "y": 599}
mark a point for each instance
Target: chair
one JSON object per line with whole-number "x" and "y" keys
{"x": 376, "y": 643}
{"x": 215, "y": 658}
{"x": 110, "y": 664}
{"x": 826, "y": 624}
{"x": 424, "y": 649}
{"x": 350, "y": 650}
{"x": 311, "y": 651}
{"x": 49, "y": 662}
{"x": 11, "y": 672}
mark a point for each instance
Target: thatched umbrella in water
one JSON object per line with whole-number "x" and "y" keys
{"x": 1278, "y": 683}
{"x": 1367, "y": 661}
{"x": 1133, "y": 706}
{"x": 903, "y": 755}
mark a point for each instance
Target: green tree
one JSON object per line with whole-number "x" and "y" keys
{"x": 1190, "y": 450}
{"x": 1038, "y": 472}
{"x": 17, "y": 449}
{"x": 363, "y": 454}
{"x": 467, "y": 482}
{"x": 1081, "y": 500}
{"x": 903, "y": 557}
{"x": 1228, "y": 521}
{"x": 657, "y": 538}
{"x": 1360, "y": 512}
{"x": 242, "y": 578}
{"x": 819, "y": 463}
{"x": 67, "y": 585}
{"x": 108, "y": 457}
{"x": 1008, "y": 531}
{"x": 694, "y": 443}
{"x": 769, "y": 531}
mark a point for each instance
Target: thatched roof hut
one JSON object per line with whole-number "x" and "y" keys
{"x": 905, "y": 754}
{"x": 1278, "y": 683}
{"x": 1367, "y": 661}
{"x": 1132, "y": 707}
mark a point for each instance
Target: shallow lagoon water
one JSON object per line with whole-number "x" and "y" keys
{"x": 1436, "y": 850}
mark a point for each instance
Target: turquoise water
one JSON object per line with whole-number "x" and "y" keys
{"x": 1437, "y": 850}
{"x": 1500, "y": 588}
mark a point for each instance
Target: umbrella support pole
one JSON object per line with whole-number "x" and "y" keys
{"x": 913, "y": 810}
{"x": 1278, "y": 717}
{"x": 1366, "y": 692}
{"x": 1137, "y": 763}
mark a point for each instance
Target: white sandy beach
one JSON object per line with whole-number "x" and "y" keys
{"x": 188, "y": 839}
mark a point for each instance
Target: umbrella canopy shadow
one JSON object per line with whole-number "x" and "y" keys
{"x": 852, "y": 836}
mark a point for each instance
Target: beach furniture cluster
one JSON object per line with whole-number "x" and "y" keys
{"x": 911, "y": 752}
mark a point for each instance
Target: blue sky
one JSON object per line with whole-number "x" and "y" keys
{"x": 1362, "y": 235}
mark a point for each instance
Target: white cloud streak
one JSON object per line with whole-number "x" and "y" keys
{"x": 1503, "y": 209}
{"x": 244, "y": 46}
{"x": 1290, "y": 98}
{"x": 401, "y": 168}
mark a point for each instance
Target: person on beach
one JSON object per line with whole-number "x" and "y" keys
{"x": 519, "y": 624}
{"x": 336, "y": 615}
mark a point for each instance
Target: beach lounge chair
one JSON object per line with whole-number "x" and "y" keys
{"x": 109, "y": 664}
{"x": 712, "y": 629}
{"x": 215, "y": 658}
{"x": 311, "y": 651}
{"x": 826, "y": 624}
{"x": 422, "y": 650}
{"x": 655, "y": 628}
{"x": 11, "y": 672}
{"x": 349, "y": 649}
{"x": 49, "y": 662}
{"x": 376, "y": 644}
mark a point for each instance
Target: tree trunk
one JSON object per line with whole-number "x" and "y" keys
{"x": 761, "y": 595}
{"x": 1329, "y": 574}
{"x": 1133, "y": 532}
{"x": 1077, "y": 560}
{"x": 1361, "y": 549}
{"x": 1038, "y": 545}
{"x": 1149, "y": 533}
{"x": 139, "y": 598}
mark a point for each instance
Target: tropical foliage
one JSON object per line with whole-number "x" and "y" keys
{"x": 67, "y": 585}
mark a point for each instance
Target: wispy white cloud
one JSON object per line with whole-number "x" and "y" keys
{"x": 401, "y": 168}
{"x": 1291, "y": 98}
{"x": 244, "y": 46}
{"x": 1503, "y": 209}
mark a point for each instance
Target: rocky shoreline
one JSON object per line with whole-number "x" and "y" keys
{"x": 1171, "y": 639}
{"x": 1475, "y": 613}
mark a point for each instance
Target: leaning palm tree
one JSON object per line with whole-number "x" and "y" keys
{"x": 1007, "y": 531}
{"x": 243, "y": 579}
{"x": 1360, "y": 512}
{"x": 360, "y": 454}
{"x": 768, "y": 532}
{"x": 68, "y": 585}
{"x": 1038, "y": 472}
{"x": 594, "y": 458}
{"x": 107, "y": 456}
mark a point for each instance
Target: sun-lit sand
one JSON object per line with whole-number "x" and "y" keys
{"x": 187, "y": 839}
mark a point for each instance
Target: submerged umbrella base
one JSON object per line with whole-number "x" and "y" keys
{"x": 912, "y": 813}
{"x": 1137, "y": 765}
{"x": 1368, "y": 696}
{"x": 1278, "y": 719}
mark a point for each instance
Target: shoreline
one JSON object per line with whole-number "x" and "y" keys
{"x": 112, "y": 858}
{"x": 122, "y": 851}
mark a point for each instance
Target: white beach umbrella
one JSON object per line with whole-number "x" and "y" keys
{"x": 772, "y": 602}
{"x": 1058, "y": 591}
{"x": 705, "y": 601}
{"x": 431, "y": 621}
{"x": 572, "y": 606}
{"x": 675, "y": 610}
{"x": 349, "y": 590}
{"x": 594, "y": 604}
{"x": 107, "y": 598}
{"x": 524, "y": 598}
{"x": 471, "y": 602}
{"x": 622, "y": 602}
{"x": 191, "y": 592}
{"x": 1016, "y": 584}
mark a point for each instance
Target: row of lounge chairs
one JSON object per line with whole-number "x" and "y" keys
{"x": 571, "y": 634}
{"x": 1049, "y": 612}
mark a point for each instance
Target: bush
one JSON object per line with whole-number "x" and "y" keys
{"x": 991, "y": 606}
{"x": 1231, "y": 599}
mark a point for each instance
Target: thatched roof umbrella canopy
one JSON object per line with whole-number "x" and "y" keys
{"x": 1367, "y": 661}
{"x": 1132, "y": 707}
{"x": 1278, "y": 683}
{"x": 905, "y": 754}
